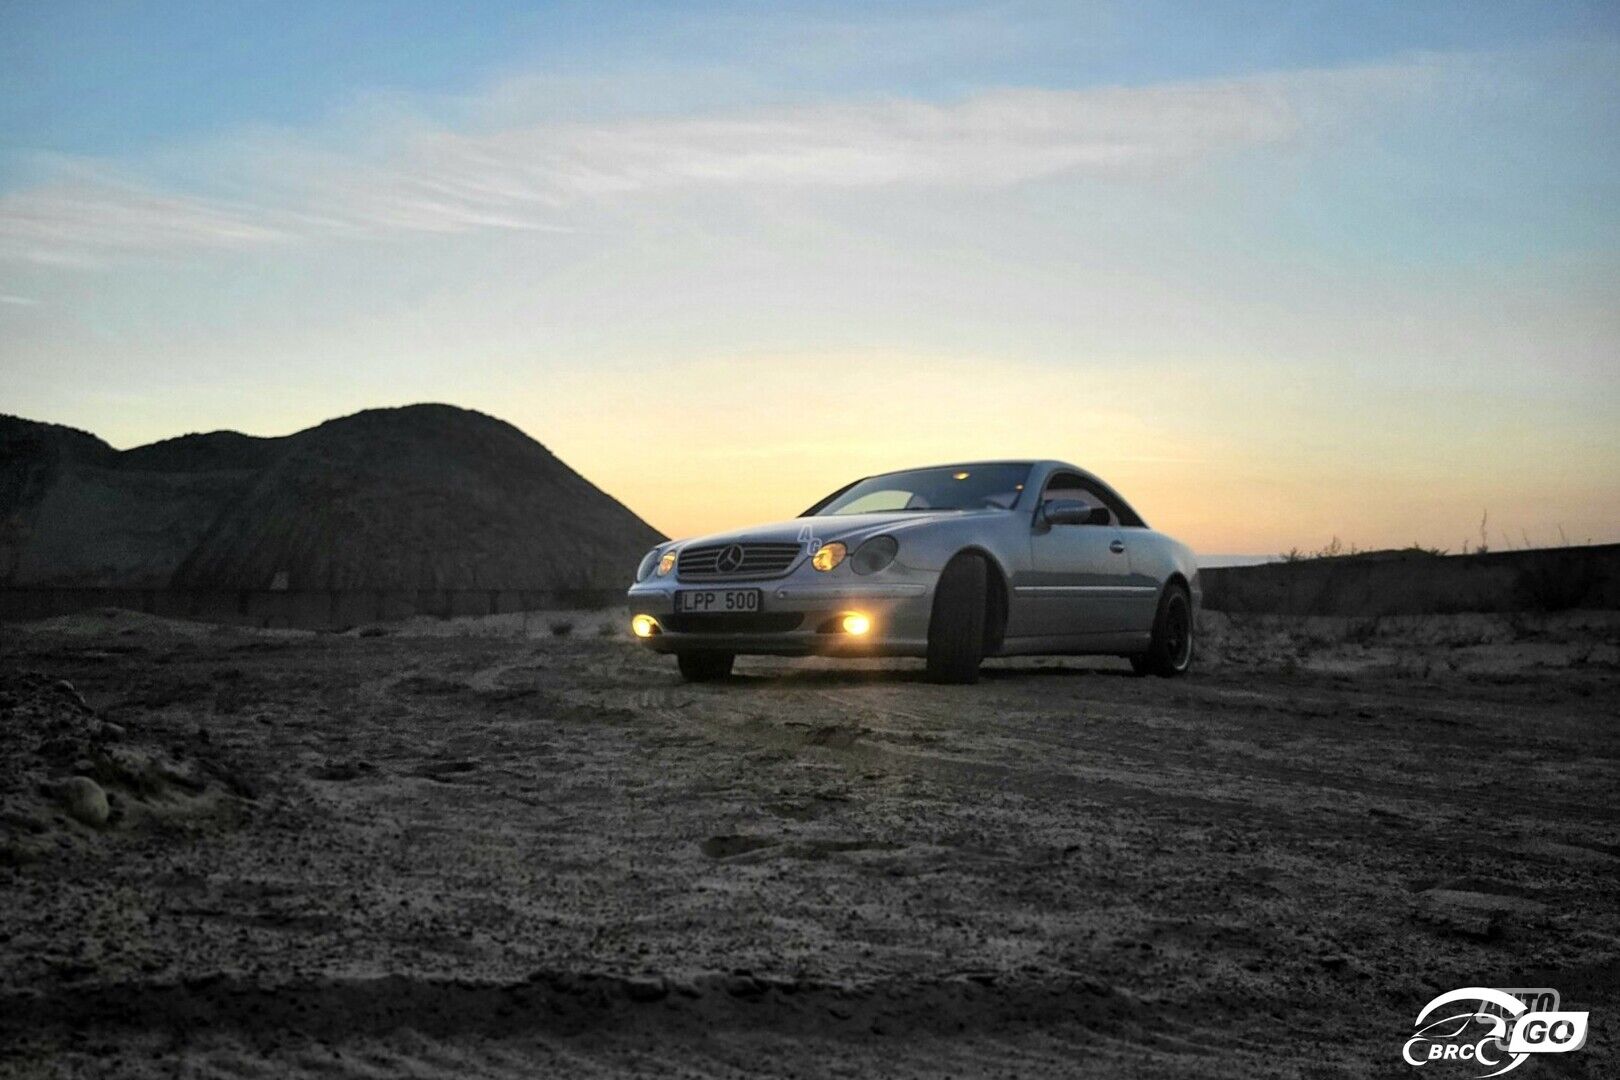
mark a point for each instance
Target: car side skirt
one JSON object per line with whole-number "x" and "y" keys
{"x": 1122, "y": 643}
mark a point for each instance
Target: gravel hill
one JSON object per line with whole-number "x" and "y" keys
{"x": 426, "y": 497}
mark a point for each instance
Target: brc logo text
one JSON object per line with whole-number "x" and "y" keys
{"x": 1498, "y": 1030}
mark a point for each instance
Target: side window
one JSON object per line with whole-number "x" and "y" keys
{"x": 1070, "y": 486}
{"x": 1118, "y": 513}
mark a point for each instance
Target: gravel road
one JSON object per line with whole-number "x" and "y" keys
{"x": 506, "y": 854}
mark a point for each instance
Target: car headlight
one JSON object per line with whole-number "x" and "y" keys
{"x": 667, "y": 563}
{"x": 874, "y": 555}
{"x": 648, "y": 561}
{"x": 828, "y": 556}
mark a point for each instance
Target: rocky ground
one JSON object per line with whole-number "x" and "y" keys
{"x": 522, "y": 847}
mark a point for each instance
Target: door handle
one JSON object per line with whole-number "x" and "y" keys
{"x": 1117, "y": 547}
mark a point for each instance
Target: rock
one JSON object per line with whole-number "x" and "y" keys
{"x": 85, "y": 801}
{"x": 69, "y": 691}
{"x": 1474, "y": 914}
{"x": 725, "y": 847}
{"x": 336, "y": 769}
{"x": 645, "y": 988}
{"x": 744, "y": 985}
{"x": 19, "y": 852}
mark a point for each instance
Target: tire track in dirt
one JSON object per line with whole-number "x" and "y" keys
{"x": 1165, "y": 767}
{"x": 1160, "y": 779}
{"x": 740, "y": 722}
{"x": 1047, "y": 1020}
{"x": 565, "y": 1002}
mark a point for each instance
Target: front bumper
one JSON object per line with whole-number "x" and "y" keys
{"x": 898, "y": 610}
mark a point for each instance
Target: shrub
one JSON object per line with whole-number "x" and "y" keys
{"x": 1359, "y": 631}
{"x": 1333, "y": 549}
{"x": 1556, "y": 584}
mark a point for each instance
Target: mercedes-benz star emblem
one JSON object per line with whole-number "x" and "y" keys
{"x": 730, "y": 560}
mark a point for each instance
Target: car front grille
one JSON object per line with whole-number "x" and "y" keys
{"x": 757, "y": 560}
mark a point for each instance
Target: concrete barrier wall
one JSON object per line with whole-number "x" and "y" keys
{"x": 304, "y": 609}
{"x": 1400, "y": 583}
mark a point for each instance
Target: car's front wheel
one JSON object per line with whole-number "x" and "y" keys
{"x": 1170, "y": 651}
{"x": 704, "y": 666}
{"x": 956, "y": 628}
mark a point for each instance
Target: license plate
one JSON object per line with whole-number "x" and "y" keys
{"x": 690, "y": 600}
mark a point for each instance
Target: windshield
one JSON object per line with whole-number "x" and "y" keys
{"x": 951, "y": 487}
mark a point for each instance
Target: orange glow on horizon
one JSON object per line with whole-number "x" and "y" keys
{"x": 1231, "y": 456}
{"x": 1237, "y": 461}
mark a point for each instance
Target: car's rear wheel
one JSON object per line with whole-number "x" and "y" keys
{"x": 956, "y": 628}
{"x": 1170, "y": 652}
{"x": 704, "y": 666}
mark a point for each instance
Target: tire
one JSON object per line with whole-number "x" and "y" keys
{"x": 956, "y": 627}
{"x": 704, "y": 666}
{"x": 1170, "y": 652}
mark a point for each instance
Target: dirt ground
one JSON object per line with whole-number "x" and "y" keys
{"x": 487, "y": 849}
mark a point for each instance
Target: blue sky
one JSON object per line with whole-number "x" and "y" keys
{"x": 1233, "y": 249}
{"x": 115, "y": 77}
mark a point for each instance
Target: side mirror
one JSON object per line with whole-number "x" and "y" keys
{"x": 1074, "y": 512}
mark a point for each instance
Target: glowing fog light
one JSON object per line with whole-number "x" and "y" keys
{"x": 855, "y": 623}
{"x": 644, "y": 626}
{"x": 666, "y": 564}
{"x": 828, "y": 556}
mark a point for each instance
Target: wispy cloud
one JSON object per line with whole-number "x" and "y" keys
{"x": 427, "y": 178}
{"x": 18, "y": 301}
{"x": 80, "y": 222}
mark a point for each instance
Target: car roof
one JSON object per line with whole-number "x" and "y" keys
{"x": 1049, "y": 463}
{"x": 1045, "y": 465}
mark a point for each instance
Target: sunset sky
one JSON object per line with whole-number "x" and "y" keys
{"x": 1278, "y": 271}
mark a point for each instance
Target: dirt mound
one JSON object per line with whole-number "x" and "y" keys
{"x": 102, "y": 622}
{"x": 209, "y": 452}
{"x": 1421, "y": 583}
{"x": 66, "y": 775}
{"x": 424, "y": 497}
{"x": 33, "y": 458}
{"x": 570, "y": 1002}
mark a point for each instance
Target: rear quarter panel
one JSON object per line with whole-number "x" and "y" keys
{"x": 1156, "y": 558}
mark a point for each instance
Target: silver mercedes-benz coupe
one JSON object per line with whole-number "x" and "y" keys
{"x": 952, "y": 563}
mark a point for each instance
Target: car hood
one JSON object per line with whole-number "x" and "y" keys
{"x": 850, "y": 528}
